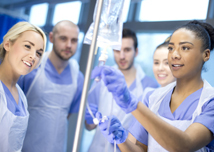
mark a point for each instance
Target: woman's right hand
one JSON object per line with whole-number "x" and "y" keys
{"x": 114, "y": 132}
{"x": 116, "y": 84}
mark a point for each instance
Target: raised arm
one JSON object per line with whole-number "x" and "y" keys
{"x": 168, "y": 136}
{"x": 172, "y": 139}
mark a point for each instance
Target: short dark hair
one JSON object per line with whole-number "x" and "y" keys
{"x": 127, "y": 33}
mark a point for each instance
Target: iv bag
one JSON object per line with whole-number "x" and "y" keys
{"x": 110, "y": 26}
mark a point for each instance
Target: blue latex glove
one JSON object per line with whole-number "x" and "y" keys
{"x": 88, "y": 117}
{"x": 115, "y": 82}
{"x": 116, "y": 131}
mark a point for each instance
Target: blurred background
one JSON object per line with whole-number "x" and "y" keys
{"x": 152, "y": 20}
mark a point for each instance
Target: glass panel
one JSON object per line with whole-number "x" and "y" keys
{"x": 167, "y": 10}
{"x": 38, "y": 14}
{"x": 147, "y": 43}
{"x": 126, "y": 10}
{"x": 67, "y": 11}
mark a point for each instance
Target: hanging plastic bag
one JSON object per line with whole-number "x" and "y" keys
{"x": 110, "y": 27}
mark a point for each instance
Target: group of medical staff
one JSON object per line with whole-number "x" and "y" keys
{"x": 174, "y": 117}
{"x": 39, "y": 91}
{"x": 100, "y": 99}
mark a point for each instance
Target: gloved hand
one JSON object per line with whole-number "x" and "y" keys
{"x": 116, "y": 131}
{"x": 115, "y": 82}
{"x": 94, "y": 110}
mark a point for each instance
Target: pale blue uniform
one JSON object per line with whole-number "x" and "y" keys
{"x": 51, "y": 97}
{"x": 16, "y": 109}
{"x": 100, "y": 96}
{"x": 13, "y": 120}
{"x": 184, "y": 112}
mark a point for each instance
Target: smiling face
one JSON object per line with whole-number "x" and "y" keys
{"x": 25, "y": 53}
{"x": 65, "y": 41}
{"x": 185, "y": 55}
{"x": 161, "y": 69}
{"x": 125, "y": 57}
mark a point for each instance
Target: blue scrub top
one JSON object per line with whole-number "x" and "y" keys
{"x": 183, "y": 112}
{"x": 16, "y": 109}
{"x": 64, "y": 78}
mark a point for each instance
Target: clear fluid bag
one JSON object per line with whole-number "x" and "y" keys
{"x": 110, "y": 27}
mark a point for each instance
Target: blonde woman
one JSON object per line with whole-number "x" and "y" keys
{"x": 161, "y": 69}
{"x": 20, "y": 52}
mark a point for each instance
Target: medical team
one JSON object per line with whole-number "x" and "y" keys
{"x": 53, "y": 91}
{"x": 174, "y": 117}
{"x": 177, "y": 117}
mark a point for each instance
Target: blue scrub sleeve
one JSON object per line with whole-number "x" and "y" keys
{"x": 137, "y": 130}
{"x": 206, "y": 118}
{"x": 76, "y": 100}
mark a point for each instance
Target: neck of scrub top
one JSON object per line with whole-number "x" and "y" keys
{"x": 130, "y": 75}
{"x": 58, "y": 63}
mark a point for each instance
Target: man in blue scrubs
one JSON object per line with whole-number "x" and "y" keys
{"x": 53, "y": 92}
{"x": 101, "y": 100}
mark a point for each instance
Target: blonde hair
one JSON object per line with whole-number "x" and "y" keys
{"x": 15, "y": 32}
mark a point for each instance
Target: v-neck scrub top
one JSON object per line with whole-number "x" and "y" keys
{"x": 16, "y": 109}
{"x": 183, "y": 112}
